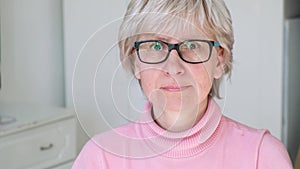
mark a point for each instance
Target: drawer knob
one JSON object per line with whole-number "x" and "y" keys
{"x": 43, "y": 148}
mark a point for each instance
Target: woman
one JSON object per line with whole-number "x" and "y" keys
{"x": 179, "y": 51}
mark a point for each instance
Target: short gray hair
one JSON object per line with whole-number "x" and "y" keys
{"x": 147, "y": 16}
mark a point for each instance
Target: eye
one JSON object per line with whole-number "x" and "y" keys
{"x": 156, "y": 46}
{"x": 189, "y": 46}
{"x": 192, "y": 46}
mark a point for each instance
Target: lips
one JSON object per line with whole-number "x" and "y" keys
{"x": 174, "y": 88}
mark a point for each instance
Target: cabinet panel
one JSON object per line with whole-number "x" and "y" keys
{"x": 40, "y": 147}
{"x": 64, "y": 166}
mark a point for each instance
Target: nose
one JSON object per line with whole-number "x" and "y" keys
{"x": 173, "y": 65}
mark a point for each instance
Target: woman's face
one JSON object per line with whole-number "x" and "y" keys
{"x": 178, "y": 90}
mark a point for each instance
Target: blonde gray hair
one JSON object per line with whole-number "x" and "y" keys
{"x": 153, "y": 16}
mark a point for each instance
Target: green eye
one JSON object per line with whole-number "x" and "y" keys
{"x": 189, "y": 46}
{"x": 156, "y": 46}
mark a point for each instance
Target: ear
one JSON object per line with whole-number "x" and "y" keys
{"x": 219, "y": 70}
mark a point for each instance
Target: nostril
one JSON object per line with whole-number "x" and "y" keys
{"x": 173, "y": 68}
{"x": 175, "y": 73}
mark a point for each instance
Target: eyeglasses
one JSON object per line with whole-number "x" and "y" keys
{"x": 190, "y": 51}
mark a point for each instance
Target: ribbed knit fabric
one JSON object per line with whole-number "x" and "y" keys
{"x": 215, "y": 142}
{"x": 182, "y": 144}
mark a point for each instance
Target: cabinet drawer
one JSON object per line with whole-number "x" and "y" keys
{"x": 40, "y": 147}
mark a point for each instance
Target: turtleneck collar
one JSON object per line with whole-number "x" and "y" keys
{"x": 181, "y": 144}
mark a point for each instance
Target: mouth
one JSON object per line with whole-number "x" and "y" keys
{"x": 174, "y": 88}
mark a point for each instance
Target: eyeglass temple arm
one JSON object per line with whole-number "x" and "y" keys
{"x": 215, "y": 43}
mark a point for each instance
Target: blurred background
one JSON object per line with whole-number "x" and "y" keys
{"x": 63, "y": 54}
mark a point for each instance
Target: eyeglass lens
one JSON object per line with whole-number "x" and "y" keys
{"x": 190, "y": 51}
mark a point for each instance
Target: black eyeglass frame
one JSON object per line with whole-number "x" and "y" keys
{"x": 176, "y": 47}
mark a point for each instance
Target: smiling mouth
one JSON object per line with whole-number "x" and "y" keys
{"x": 174, "y": 88}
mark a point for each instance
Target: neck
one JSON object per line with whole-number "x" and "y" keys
{"x": 178, "y": 121}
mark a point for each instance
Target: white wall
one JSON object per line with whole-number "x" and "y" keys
{"x": 89, "y": 30}
{"x": 253, "y": 97}
{"x": 32, "y": 52}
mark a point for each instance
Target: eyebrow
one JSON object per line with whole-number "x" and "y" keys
{"x": 161, "y": 38}
{"x": 166, "y": 39}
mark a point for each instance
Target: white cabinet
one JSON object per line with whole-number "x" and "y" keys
{"x": 64, "y": 166}
{"x": 47, "y": 139}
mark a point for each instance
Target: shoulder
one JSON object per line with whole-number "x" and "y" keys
{"x": 239, "y": 130}
{"x": 239, "y": 138}
{"x": 103, "y": 147}
{"x": 89, "y": 156}
{"x": 273, "y": 154}
{"x": 259, "y": 144}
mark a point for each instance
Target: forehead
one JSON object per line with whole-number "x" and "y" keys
{"x": 177, "y": 37}
{"x": 167, "y": 26}
{"x": 174, "y": 32}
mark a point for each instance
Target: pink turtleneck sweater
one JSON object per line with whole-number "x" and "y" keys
{"x": 216, "y": 142}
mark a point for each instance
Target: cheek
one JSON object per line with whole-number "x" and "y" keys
{"x": 203, "y": 79}
{"x": 147, "y": 86}
{"x": 148, "y": 81}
